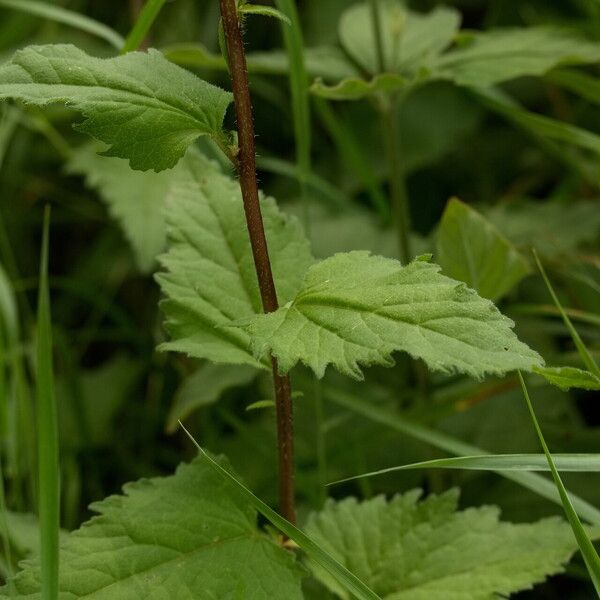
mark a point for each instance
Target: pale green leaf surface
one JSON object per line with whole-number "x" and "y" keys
{"x": 134, "y": 199}
{"x": 190, "y": 536}
{"x": 492, "y": 57}
{"x": 145, "y": 108}
{"x": 209, "y": 279}
{"x": 409, "y": 550}
{"x": 471, "y": 249}
{"x": 569, "y": 377}
{"x": 356, "y": 309}
{"x": 204, "y": 387}
{"x": 410, "y": 40}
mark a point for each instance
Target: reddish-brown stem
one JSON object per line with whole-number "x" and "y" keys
{"x": 246, "y": 167}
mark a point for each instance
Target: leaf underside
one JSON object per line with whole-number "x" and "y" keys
{"x": 356, "y": 309}
{"x": 134, "y": 199}
{"x": 209, "y": 279}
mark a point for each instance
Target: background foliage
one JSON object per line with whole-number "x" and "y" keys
{"x": 531, "y": 183}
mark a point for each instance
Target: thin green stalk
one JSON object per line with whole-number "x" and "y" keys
{"x": 400, "y": 206}
{"x": 47, "y": 10}
{"x": 584, "y": 353}
{"x": 292, "y": 35}
{"x": 321, "y": 444}
{"x": 142, "y": 25}
{"x": 47, "y": 420}
{"x": 376, "y": 22}
{"x": 536, "y": 483}
{"x": 590, "y": 556}
{"x": 349, "y": 148}
{"x": 339, "y": 572}
{"x": 4, "y": 531}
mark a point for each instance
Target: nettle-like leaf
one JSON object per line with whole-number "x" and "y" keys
{"x": 145, "y": 108}
{"x": 409, "y": 39}
{"x": 486, "y": 59}
{"x": 356, "y": 309}
{"x": 410, "y": 42}
{"x": 135, "y": 200}
{"x": 190, "y": 535}
{"x": 566, "y": 378}
{"x": 417, "y": 47}
{"x": 409, "y": 550}
{"x": 209, "y": 279}
{"x": 471, "y": 249}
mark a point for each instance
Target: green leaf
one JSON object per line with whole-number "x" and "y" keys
{"x": 410, "y": 550}
{"x": 50, "y": 11}
{"x": 410, "y": 40}
{"x": 587, "y": 86}
{"x": 569, "y": 377}
{"x": 145, "y": 108}
{"x": 134, "y": 199}
{"x": 346, "y": 579}
{"x": 584, "y": 353}
{"x": 142, "y": 26}
{"x": 24, "y": 533}
{"x": 265, "y": 11}
{"x": 204, "y": 387}
{"x": 357, "y": 309}
{"x": 190, "y": 535}
{"x": 586, "y": 463}
{"x": 471, "y": 249}
{"x": 438, "y": 439}
{"x": 47, "y": 430}
{"x": 210, "y": 280}
{"x": 590, "y": 556}
{"x": 485, "y": 59}
{"x": 354, "y": 88}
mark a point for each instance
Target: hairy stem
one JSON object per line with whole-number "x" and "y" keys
{"x": 246, "y": 166}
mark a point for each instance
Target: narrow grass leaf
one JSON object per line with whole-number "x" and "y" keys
{"x": 497, "y": 462}
{"x": 532, "y": 481}
{"x": 49, "y": 490}
{"x": 292, "y": 36}
{"x": 590, "y": 556}
{"x": 344, "y": 577}
{"x": 142, "y": 25}
{"x": 50, "y": 11}
{"x": 584, "y": 353}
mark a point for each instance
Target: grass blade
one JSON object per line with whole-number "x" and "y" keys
{"x": 344, "y": 577}
{"x": 498, "y": 462}
{"x": 66, "y": 17}
{"x": 49, "y": 487}
{"x": 532, "y": 481}
{"x": 590, "y": 556}
{"x": 292, "y": 36}
{"x": 331, "y": 194}
{"x": 349, "y": 148}
{"x": 142, "y": 25}
{"x": 584, "y": 353}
